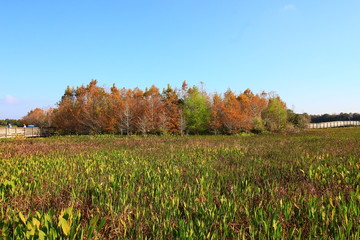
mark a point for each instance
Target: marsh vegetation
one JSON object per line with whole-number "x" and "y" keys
{"x": 296, "y": 186}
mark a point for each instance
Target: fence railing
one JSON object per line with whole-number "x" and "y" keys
{"x": 334, "y": 124}
{"x": 19, "y": 131}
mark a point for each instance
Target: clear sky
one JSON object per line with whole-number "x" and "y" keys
{"x": 308, "y": 51}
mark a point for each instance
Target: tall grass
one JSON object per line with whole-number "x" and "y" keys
{"x": 194, "y": 187}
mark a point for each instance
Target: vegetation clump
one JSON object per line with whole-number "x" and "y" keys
{"x": 190, "y": 110}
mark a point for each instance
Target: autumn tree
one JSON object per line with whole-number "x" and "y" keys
{"x": 217, "y": 114}
{"x": 132, "y": 110}
{"x": 94, "y": 108}
{"x": 135, "y": 107}
{"x": 173, "y": 112}
{"x": 251, "y": 106}
{"x": 66, "y": 115}
{"x": 232, "y": 113}
{"x": 246, "y": 119}
{"x": 117, "y": 105}
{"x": 152, "y": 118}
{"x": 127, "y": 113}
{"x": 257, "y": 106}
{"x": 85, "y": 109}
{"x": 39, "y": 117}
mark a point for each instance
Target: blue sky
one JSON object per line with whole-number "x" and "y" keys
{"x": 307, "y": 51}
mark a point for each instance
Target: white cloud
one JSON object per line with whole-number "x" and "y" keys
{"x": 11, "y": 99}
{"x": 288, "y": 7}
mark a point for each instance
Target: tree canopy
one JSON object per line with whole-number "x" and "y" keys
{"x": 92, "y": 109}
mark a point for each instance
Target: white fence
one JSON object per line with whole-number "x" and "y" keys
{"x": 334, "y": 124}
{"x": 19, "y": 131}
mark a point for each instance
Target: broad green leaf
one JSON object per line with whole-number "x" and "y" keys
{"x": 36, "y": 223}
{"x": 23, "y": 219}
{"x": 64, "y": 226}
{"x": 31, "y": 229}
{"x": 42, "y": 235}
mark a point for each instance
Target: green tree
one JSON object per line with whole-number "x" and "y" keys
{"x": 197, "y": 111}
{"x": 275, "y": 115}
{"x": 298, "y": 120}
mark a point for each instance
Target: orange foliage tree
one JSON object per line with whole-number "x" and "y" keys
{"x": 217, "y": 114}
{"x": 65, "y": 116}
{"x": 251, "y": 106}
{"x": 152, "y": 117}
{"x": 117, "y": 106}
{"x": 172, "y": 110}
{"x": 39, "y": 117}
{"x": 232, "y": 117}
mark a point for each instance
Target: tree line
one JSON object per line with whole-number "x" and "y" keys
{"x": 92, "y": 109}
{"x": 13, "y": 122}
{"x": 335, "y": 117}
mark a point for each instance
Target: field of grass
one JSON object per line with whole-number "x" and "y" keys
{"x": 299, "y": 186}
